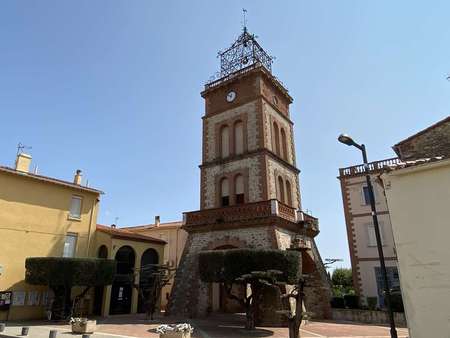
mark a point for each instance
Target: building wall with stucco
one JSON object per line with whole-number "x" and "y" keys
{"x": 113, "y": 245}
{"x": 34, "y": 222}
{"x": 419, "y": 200}
{"x": 360, "y": 232}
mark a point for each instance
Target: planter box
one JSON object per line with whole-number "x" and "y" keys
{"x": 175, "y": 335}
{"x": 87, "y": 327}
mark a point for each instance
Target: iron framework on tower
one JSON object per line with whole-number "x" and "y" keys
{"x": 244, "y": 52}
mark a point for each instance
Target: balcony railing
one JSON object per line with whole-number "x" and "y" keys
{"x": 373, "y": 167}
{"x": 249, "y": 211}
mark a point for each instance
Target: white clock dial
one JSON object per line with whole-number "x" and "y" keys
{"x": 231, "y": 96}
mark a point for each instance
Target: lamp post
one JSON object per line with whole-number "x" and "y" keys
{"x": 345, "y": 139}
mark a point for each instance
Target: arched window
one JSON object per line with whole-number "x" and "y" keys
{"x": 239, "y": 189}
{"x": 102, "y": 252}
{"x": 125, "y": 258}
{"x": 289, "y": 193}
{"x": 276, "y": 132}
{"x": 224, "y": 192}
{"x": 284, "y": 153}
{"x": 280, "y": 189}
{"x": 238, "y": 137}
{"x": 225, "y": 141}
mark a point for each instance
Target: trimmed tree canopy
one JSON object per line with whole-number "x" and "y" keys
{"x": 228, "y": 265}
{"x": 60, "y": 271}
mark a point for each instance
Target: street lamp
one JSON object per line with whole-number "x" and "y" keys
{"x": 345, "y": 139}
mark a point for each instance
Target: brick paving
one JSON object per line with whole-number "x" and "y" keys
{"x": 216, "y": 326}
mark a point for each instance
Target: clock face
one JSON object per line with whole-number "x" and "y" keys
{"x": 231, "y": 96}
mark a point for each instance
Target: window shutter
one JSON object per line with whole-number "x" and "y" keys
{"x": 239, "y": 185}
{"x": 371, "y": 233}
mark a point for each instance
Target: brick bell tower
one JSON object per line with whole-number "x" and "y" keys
{"x": 249, "y": 194}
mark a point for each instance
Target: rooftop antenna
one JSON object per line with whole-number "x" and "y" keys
{"x": 21, "y": 147}
{"x": 244, "y": 22}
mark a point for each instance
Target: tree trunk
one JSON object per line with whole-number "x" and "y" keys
{"x": 294, "y": 330}
{"x": 250, "y": 317}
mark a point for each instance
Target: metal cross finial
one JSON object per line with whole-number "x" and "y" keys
{"x": 244, "y": 11}
{"x": 21, "y": 147}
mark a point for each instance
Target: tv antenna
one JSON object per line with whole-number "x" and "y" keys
{"x": 21, "y": 147}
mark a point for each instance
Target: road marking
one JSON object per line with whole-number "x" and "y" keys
{"x": 313, "y": 333}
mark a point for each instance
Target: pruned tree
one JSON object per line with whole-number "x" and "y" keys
{"x": 255, "y": 268}
{"x": 295, "y": 314}
{"x": 61, "y": 274}
{"x": 156, "y": 277}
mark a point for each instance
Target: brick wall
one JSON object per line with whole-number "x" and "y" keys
{"x": 211, "y": 138}
{"x": 210, "y": 175}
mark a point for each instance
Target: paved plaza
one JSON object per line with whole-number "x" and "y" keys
{"x": 216, "y": 326}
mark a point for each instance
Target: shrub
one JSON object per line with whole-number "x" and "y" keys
{"x": 228, "y": 265}
{"x": 337, "y": 302}
{"x": 351, "y": 301}
{"x": 372, "y": 303}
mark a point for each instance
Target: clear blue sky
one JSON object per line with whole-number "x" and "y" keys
{"x": 112, "y": 87}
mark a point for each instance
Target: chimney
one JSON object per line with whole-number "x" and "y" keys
{"x": 157, "y": 221}
{"x": 77, "y": 178}
{"x": 23, "y": 162}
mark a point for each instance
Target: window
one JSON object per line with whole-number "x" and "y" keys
{"x": 75, "y": 207}
{"x": 70, "y": 244}
{"x": 224, "y": 193}
{"x": 366, "y": 196}
{"x": 372, "y": 239}
{"x": 289, "y": 193}
{"x": 276, "y": 132}
{"x": 225, "y": 141}
{"x": 284, "y": 154}
{"x": 239, "y": 189}
{"x": 280, "y": 189}
{"x": 238, "y": 138}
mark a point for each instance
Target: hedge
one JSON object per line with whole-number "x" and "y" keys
{"x": 60, "y": 271}
{"x": 337, "y": 303}
{"x": 227, "y": 265}
{"x": 351, "y": 301}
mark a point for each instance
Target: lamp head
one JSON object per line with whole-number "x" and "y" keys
{"x": 345, "y": 139}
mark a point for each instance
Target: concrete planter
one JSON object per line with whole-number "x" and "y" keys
{"x": 81, "y": 327}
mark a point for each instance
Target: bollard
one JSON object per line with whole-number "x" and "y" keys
{"x": 52, "y": 334}
{"x": 2, "y": 327}
{"x": 25, "y": 330}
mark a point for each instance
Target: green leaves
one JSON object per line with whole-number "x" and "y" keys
{"x": 237, "y": 265}
{"x": 60, "y": 271}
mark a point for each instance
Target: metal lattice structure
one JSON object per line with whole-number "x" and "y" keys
{"x": 244, "y": 52}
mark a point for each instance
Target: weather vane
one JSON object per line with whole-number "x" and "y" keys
{"x": 244, "y": 11}
{"x": 21, "y": 147}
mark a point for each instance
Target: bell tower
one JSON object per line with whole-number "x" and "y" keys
{"x": 249, "y": 193}
{"x": 248, "y": 147}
